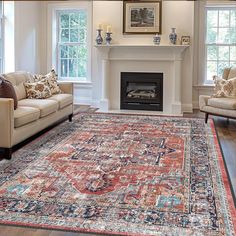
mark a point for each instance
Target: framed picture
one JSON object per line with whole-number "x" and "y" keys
{"x": 141, "y": 17}
{"x": 185, "y": 40}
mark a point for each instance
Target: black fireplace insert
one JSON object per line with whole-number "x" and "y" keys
{"x": 141, "y": 91}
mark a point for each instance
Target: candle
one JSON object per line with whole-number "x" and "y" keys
{"x": 108, "y": 29}
{"x": 100, "y": 26}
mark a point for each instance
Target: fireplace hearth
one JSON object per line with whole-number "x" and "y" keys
{"x": 141, "y": 91}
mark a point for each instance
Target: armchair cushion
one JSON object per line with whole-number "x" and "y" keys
{"x": 45, "y": 106}
{"x": 224, "y": 103}
{"x": 25, "y": 115}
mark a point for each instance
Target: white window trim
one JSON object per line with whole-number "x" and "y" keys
{"x": 201, "y": 46}
{"x": 52, "y": 52}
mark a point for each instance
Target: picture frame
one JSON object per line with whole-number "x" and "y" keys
{"x": 185, "y": 40}
{"x": 142, "y": 17}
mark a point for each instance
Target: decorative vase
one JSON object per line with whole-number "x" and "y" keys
{"x": 173, "y": 36}
{"x": 157, "y": 39}
{"x": 99, "y": 38}
{"x": 108, "y": 38}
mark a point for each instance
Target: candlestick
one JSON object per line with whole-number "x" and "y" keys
{"x": 99, "y": 38}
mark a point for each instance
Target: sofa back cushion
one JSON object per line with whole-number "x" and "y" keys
{"x": 7, "y": 90}
{"x": 18, "y": 79}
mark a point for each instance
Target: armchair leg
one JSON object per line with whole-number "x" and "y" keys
{"x": 70, "y": 117}
{"x": 206, "y": 117}
{"x": 6, "y": 153}
{"x": 227, "y": 121}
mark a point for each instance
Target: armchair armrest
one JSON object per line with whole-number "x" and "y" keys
{"x": 66, "y": 87}
{"x": 6, "y": 122}
{"x": 203, "y": 101}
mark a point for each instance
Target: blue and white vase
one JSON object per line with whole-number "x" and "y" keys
{"x": 99, "y": 38}
{"x": 173, "y": 36}
{"x": 157, "y": 39}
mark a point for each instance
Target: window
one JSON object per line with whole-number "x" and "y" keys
{"x": 220, "y": 40}
{"x": 72, "y": 45}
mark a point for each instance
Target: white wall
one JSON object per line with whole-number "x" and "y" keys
{"x": 27, "y": 36}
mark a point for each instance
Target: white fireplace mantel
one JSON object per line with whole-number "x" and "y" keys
{"x": 171, "y": 54}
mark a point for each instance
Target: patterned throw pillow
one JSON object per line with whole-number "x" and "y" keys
{"x": 224, "y": 88}
{"x": 38, "y": 90}
{"x": 51, "y": 79}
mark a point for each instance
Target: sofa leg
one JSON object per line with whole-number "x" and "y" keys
{"x": 227, "y": 121}
{"x": 206, "y": 117}
{"x": 6, "y": 153}
{"x": 70, "y": 117}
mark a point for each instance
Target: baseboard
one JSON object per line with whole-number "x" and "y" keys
{"x": 187, "y": 108}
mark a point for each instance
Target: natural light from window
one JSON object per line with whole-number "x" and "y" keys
{"x": 72, "y": 45}
{"x": 220, "y": 40}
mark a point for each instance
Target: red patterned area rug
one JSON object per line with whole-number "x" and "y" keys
{"x": 121, "y": 175}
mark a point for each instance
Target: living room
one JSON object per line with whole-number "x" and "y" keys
{"x": 121, "y": 119}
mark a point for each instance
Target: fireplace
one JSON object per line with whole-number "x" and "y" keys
{"x": 141, "y": 91}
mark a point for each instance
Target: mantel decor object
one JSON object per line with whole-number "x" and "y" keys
{"x": 157, "y": 39}
{"x": 99, "y": 39}
{"x": 108, "y": 38}
{"x": 185, "y": 40}
{"x": 142, "y": 16}
{"x": 173, "y": 36}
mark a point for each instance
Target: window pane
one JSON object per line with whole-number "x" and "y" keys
{"x": 233, "y": 63}
{"x": 211, "y": 69}
{"x": 73, "y": 68}
{"x": 232, "y": 32}
{"x": 224, "y": 18}
{"x": 221, "y": 66}
{"x": 74, "y": 35}
{"x": 223, "y": 53}
{"x": 64, "y": 51}
{"x": 64, "y": 68}
{"x": 233, "y": 18}
{"x": 82, "y": 51}
{"x": 82, "y": 68}
{"x": 233, "y": 53}
{"x": 224, "y": 35}
{"x": 74, "y": 20}
{"x": 211, "y": 35}
{"x": 211, "y": 52}
{"x": 82, "y": 36}
{"x": 73, "y": 51}
{"x": 83, "y": 19}
{"x": 212, "y": 18}
{"x": 64, "y": 21}
{"x": 64, "y": 35}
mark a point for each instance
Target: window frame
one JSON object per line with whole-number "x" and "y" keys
{"x": 218, "y": 8}
{"x": 2, "y": 37}
{"x": 52, "y": 52}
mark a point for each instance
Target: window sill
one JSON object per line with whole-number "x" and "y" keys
{"x": 75, "y": 82}
{"x": 204, "y": 86}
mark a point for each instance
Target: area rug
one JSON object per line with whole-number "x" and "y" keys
{"x": 121, "y": 175}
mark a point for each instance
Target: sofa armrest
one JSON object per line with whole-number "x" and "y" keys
{"x": 6, "y": 122}
{"x": 203, "y": 101}
{"x": 66, "y": 87}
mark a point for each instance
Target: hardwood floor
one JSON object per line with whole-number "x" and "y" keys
{"x": 227, "y": 137}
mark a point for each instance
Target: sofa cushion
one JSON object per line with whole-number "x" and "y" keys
{"x": 224, "y": 103}
{"x": 63, "y": 99}
{"x": 45, "y": 106}
{"x": 39, "y": 90}
{"x": 25, "y": 115}
{"x": 7, "y": 90}
{"x": 232, "y": 73}
{"x": 18, "y": 79}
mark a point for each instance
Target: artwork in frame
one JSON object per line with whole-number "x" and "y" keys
{"x": 142, "y": 17}
{"x": 185, "y": 40}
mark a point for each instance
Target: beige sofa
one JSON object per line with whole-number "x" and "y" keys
{"x": 219, "y": 106}
{"x": 31, "y": 115}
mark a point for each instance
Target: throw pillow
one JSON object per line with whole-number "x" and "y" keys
{"x": 7, "y": 91}
{"x": 51, "y": 79}
{"x": 224, "y": 88}
{"x": 232, "y": 73}
{"x": 38, "y": 90}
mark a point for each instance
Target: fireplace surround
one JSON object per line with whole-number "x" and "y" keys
{"x": 141, "y": 91}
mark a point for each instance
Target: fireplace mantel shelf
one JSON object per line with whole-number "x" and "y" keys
{"x": 141, "y": 46}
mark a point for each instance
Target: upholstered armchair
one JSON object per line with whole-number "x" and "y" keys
{"x": 220, "y": 106}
